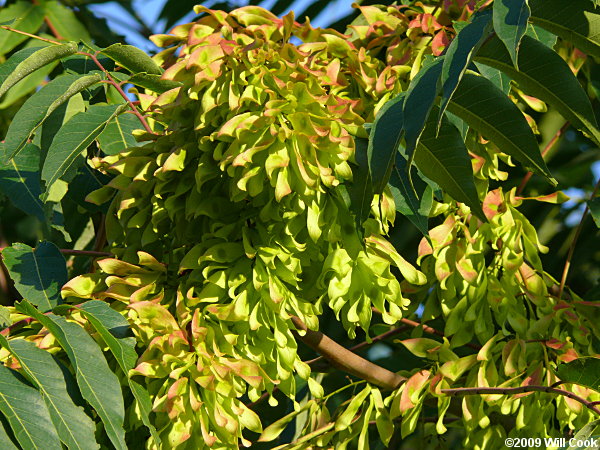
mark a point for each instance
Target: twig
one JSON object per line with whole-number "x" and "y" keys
{"x": 519, "y": 390}
{"x": 33, "y": 36}
{"x": 343, "y": 359}
{"x": 50, "y": 25}
{"x": 547, "y": 148}
{"x": 565, "y": 273}
{"x": 118, "y": 87}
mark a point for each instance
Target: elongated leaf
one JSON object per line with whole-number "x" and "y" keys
{"x": 115, "y": 332}
{"x": 539, "y": 34}
{"x": 73, "y": 138}
{"x": 459, "y": 55}
{"x": 117, "y": 136}
{"x": 39, "y": 106}
{"x": 38, "y": 273}
{"x": 153, "y": 82}
{"x": 545, "y": 75}
{"x": 16, "y": 58}
{"x": 25, "y": 411}
{"x": 132, "y": 59}
{"x": 27, "y": 85}
{"x": 65, "y": 22}
{"x": 416, "y": 209}
{"x": 576, "y": 21}
{"x": 39, "y": 58}
{"x": 273, "y": 431}
{"x": 6, "y": 442}
{"x": 361, "y": 188}
{"x": 588, "y": 435}
{"x": 594, "y": 206}
{"x": 73, "y": 426}
{"x": 384, "y": 141}
{"x": 499, "y": 78}
{"x": 485, "y": 108}
{"x": 582, "y": 371}
{"x": 510, "y": 24}
{"x": 444, "y": 159}
{"x": 344, "y": 420}
{"x": 420, "y": 98}
{"x": 26, "y": 17}
{"x": 20, "y": 180}
{"x": 97, "y": 383}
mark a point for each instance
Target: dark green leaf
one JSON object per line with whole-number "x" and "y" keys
{"x": 40, "y": 105}
{"x": 117, "y": 136}
{"x": 416, "y": 209}
{"x": 20, "y": 180}
{"x": 510, "y": 24}
{"x": 544, "y": 74}
{"x": 27, "y": 85}
{"x": 582, "y": 371}
{"x": 26, "y": 17}
{"x": 444, "y": 159}
{"x": 420, "y": 98}
{"x": 588, "y": 434}
{"x": 576, "y": 21}
{"x": 97, "y": 383}
{"x": 25, "y": 411}
{"x": 83, "y": 64}
{"x": 594, "y": 206}
{"x": 499, "y": 78}
{"x": 116, "y": 333}
{"x": 384, "y": 140}
{"x": 33, "y": 61}
{"x": 486, "y": 109}
{"x": 459, "y": 54}
{"x": 6, "y": 442}
{"x": 73, "y": 138}
{"x": 65, "y": 22}
{"x": 38, "y": 273}
{"x": 132, "y": 59}
{"x": 361, "y": 188}
{"x": 74, "y": 427}
{"x": 153, "y": 82}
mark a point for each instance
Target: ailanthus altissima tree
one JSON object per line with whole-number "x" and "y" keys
{"x": 246, "y": 218}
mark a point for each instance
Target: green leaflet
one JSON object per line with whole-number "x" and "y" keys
{"x": 38, "y": 273}
{"x": 485, "y": 108}
{"x": 415, "y": 208}
{"x": 444, "y": 159}
{"x": 73, "y": 426}
{"x": 273, "y": 431}
{"x": 26, "y": 412}
{"x": 132, "y": 59}
{"x": 40, "y": 105}
{"x": 27, "y": 17}
{"x": 544, "y": 74}
{"x": 582, "y": 371}
{"x": 576, "y": 21}
{"x": 153, "y": 82}
{"x": 20, "y": 180}
{"x": 589, "y": 434}
{"x": 344, "y": 420}
{"x": 384, "y": 140}
{"x": 499, "y": 78}
{"x": 97, "y": 383}
{"x": 510, "y": 24}
{"x": 115, "y": 332}
{"x": 420, "y": 98}
{"x": 117, "y": 136}
{"x": 5, "y": 441}
{"x": 594, "y": 206}
{"x": 361, "y": 189}
{"x": 65, "y": 22}
{"x": 459, "y": 54}
{"x": 73, "y": 138}
{"x": 26, "y": 63}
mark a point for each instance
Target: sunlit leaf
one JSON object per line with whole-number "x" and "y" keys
{"x": 510, "y": 24}
{"x": 582, "y": 371}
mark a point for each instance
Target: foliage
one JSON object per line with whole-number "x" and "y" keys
{"x": 276, "y": 192}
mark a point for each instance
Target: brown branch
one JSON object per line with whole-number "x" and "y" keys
{"x": 567, "y": 266}
{"x": 547, "y": 148}
{"x": 343, "y": 359}
{"x": 50, "y": 25}
{"x": 520, "y": 390}
{"x": 118, "y": 87}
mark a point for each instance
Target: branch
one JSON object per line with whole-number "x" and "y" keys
{"x": 547, "y": 148}
{"x": 565, "y": 273}
{"x": 66, "y": 251}
{"x": 50, "y": 25}
{"x": 345, "y": 360}
{"x": 33, "y": 36}
{"x": 520, "y": 390}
